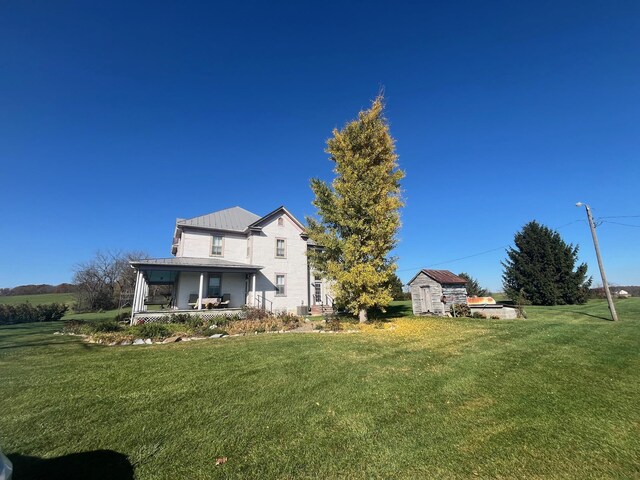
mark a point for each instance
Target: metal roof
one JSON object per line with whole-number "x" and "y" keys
{"x": 441, "y": 276}
{"x": 189, "y": 263}
{"x": 235, "y": 219}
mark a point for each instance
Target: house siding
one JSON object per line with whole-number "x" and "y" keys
{"x": 197, "y": 244}
{"x": 294, "y": 265}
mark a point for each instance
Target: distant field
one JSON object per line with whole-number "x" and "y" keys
{"x": 42, "y": 299}
{"x": 553, "y": 396}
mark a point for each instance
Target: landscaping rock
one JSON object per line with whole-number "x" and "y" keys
{"x": 172, "y": 339}
{"x": 112, "y": 344}
{"x": 216, "y": 335}
{"x": 125, "y": 342}
{"x": 148, "y": 341}
{"x": 138, "y": 341}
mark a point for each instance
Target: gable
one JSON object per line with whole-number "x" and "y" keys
{"x": 273, "y": 216}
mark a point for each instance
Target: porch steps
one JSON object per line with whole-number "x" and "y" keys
{"x": 321, "y": 310}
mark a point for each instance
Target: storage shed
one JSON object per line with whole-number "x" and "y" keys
{"x": 434, "y": 291}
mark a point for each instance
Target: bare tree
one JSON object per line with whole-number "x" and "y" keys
{"x": 101, "y": 279}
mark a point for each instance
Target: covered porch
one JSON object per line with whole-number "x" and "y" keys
{"x": 197, "y": 285}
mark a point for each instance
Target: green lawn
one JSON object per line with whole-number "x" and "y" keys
{"x": 41, "y": 299}
{"x": 554, "y": 396}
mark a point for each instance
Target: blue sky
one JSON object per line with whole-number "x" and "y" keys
{"x": 118, "y": 117}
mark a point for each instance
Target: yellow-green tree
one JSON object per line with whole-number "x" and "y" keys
{"x": 359, "y": 214}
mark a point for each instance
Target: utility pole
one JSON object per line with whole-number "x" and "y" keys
{"x": 612, "y": 308}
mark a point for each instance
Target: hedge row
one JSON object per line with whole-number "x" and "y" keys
{"x": 26, "y": 313}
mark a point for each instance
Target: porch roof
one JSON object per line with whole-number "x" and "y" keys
{"x": 192, "y": 264}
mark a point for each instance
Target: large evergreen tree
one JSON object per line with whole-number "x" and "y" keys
{"x": 359, "y": 213}
{"x": 473, "y": 286}
{"x": 540, "y": 269}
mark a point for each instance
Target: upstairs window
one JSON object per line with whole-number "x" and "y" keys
{"x": 216, "y": 246}
{"x": 281, "y": 250}
{"x": 281, "y": 222}
{"x": 281, "y": 288}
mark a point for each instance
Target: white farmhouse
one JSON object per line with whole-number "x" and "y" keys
{"x": 232, "y": 258}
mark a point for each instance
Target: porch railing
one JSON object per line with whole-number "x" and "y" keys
{"x": 261, "y": 302}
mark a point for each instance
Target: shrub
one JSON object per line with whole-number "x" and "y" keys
{"x": 478, "y": 315}
{"x": 154, "y": 330}
{"x": 253, "y": 313}
{"x": 461, "y": 309}
{"x": 27, "y": 313}
{"x": 76, "y": 326}
{"x": 216, "y": 330}
{"x": 105, "y": 326}
{"x": 122, "y": 317}
{"x": 180, "y": 317}
{"x": 495, "y": 317}
{"x": 289, "y": 319}
{"x": 332, "y": 323}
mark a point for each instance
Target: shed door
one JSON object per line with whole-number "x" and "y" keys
{"x": 425, "y": 299}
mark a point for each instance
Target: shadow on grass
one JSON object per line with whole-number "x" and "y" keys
{"x": 96, "y": 465}
{"x": 599, "y": 317}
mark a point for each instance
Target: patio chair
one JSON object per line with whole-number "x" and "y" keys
{"x": 193, "y": 300}
{"x": 226, "y": 298}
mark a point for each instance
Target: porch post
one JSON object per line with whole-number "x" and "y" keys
{"x": 200, "y": 291}
{"x": 253, "y": 289}
{"x": 134, "y": 302}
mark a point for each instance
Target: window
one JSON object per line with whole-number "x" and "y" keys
{"x": 214, "y": 287}
{"x": 216, "y": 245}
{"x": 281, "y": 222}
{"x": 281, "y": 280}
{"x": 280, "y": 248}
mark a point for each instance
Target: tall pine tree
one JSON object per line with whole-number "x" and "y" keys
{"x": 540, "y": 268}
{"x": 473, "y": 286}
{"x": 359, "y": 213}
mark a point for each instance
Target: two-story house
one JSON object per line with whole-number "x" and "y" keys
{"x": 239, "y": 256}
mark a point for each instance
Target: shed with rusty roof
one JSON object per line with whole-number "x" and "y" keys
{"x": 434, "y": 291}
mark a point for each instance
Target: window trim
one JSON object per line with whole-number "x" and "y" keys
{"x": 211, "y": 254}
{"x": 284, "y": 285}
{"x": 284, "y": 240}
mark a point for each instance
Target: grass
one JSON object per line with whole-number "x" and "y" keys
{"x": 40, "y": 299}
{"x": 554, "y": 396}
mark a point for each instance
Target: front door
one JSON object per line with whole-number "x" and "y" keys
{"x": 425, "y": 299}
{"x": 317, "y": 293}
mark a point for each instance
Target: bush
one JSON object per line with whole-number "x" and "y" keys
{"x": 478, "y": 315}
{"x": 123, "y": 317}
{"x": 105, "y": 326}
{"x": 253, "y": 313}
{"x": 180, "y": 317}
{"x": 27, "y": 313}
{"x": 461, "y": 309}
{"x": 76, "y": 326}
{"x": 154, "y": 330}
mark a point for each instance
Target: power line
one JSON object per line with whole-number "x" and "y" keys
{"x": 456, "y": 259}
{"x": 623, "y": 224}
{"x": 481, "y": 253}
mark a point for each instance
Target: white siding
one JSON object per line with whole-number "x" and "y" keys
{"x": 188, "y": 283}
{"x": 197, "y": 244}
{"x": 294, "y": 265}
